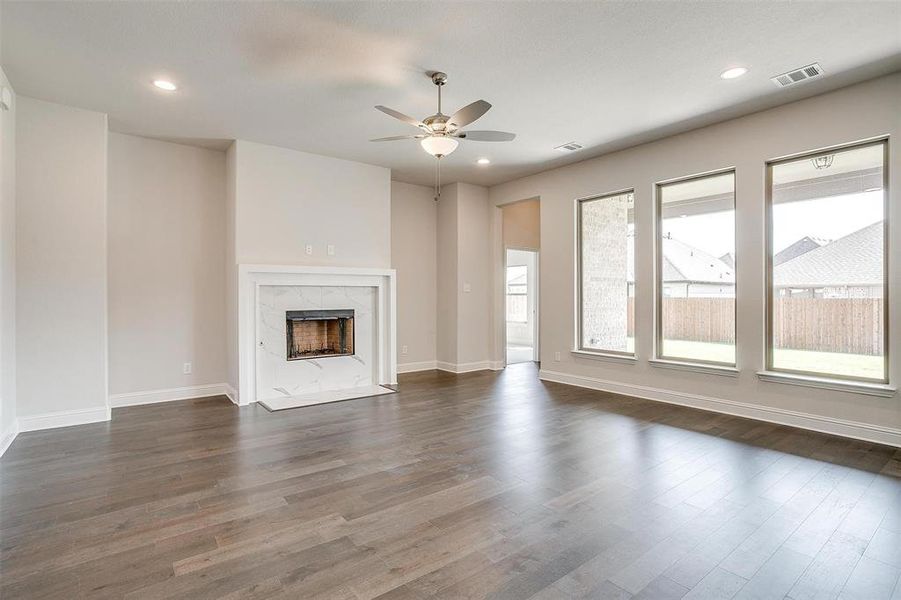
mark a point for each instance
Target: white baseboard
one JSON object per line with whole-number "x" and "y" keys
{"x": 482, "y": 365}
{"x": 841, "y": 427}
{"x": 7, "y": 437}
{"x": 413, "y": 367}
{"x": 169, "y": 395}
{"x": 232, "y": 393}
{"x": 63, "y": 418}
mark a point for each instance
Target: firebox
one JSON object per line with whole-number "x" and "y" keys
{"x": 319, "y": 333}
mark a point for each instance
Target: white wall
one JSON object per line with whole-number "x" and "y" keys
{"x": 287, "y": 199}
{"x": 8, "y": 424}
{"x": 850, "y": 114}
{"x": 414, "y": 220}
{"x": 61, "y": 273}
{"x": 166, "y": 237}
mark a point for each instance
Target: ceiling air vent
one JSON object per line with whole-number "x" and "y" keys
{"x": 798, "y": 75}
{"x": 569, "y": 147}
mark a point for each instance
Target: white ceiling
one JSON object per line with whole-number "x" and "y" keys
{"x": 307, "y": 75}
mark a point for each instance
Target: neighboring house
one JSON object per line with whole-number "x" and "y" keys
{"x": 802, "y": 246}
{"x": 691, "y": 272}
{"x": 849, "y": 267}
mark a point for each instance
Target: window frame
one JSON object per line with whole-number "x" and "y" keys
{"x": 578, "y": 347}
{"x": 768, "y": 345}
{"x": 659, "y": 356}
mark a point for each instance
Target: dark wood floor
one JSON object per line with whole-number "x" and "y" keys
{"x": 472, "y": 486}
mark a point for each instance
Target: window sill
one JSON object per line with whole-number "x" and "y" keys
{"x": 722, "y": 370}
{"x": 605, "y": 356}
{"x": 857, "y": 387}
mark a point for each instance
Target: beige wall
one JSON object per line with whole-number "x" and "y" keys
{"x": 522, "y": 225}
{"x": 464, "y": 277}
{"x": 287, "y": 199}
{"x": 61, "y": 252}
{"x": 446, "y": 342}
{"x": 850, "y": 114}
{"x": 473, "y": 274}
{"x": 166, "y": 265}
{"x": 7, "y": 270}
{"x": 414, "y": 215}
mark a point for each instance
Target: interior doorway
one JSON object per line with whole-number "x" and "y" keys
{"x": 521, "y": 305}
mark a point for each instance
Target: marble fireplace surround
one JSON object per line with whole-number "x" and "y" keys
{"x": 251, "y": 278}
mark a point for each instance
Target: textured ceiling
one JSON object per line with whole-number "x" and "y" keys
{"x": 307, "y": 75}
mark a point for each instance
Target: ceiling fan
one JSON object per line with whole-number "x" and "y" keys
{"x": 440, "y": 133}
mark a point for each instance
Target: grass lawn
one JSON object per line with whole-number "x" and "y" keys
{"x": 827, "y": 363}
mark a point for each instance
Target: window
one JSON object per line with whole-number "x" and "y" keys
{"x": 606, "y": 254}
{"x": 517, "y": 294}
{"x": 826, "y": 265}
{"x": 696, "y": 269}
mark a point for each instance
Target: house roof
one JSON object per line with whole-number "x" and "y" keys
{"x": 855, "y": 259}
{"x": 802, "y": 246}
{"x": 685, "y": 263}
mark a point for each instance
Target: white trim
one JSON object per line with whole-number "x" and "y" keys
{"x": 605, "y": 356}
{"x": 497, "y": 365}
{"x": 826, "y": 383}
{"x": 482, "y": 365}
{"x": 168, "y": 395}
{"x": 8, "y": 437}
{"x": 841, "y": 427}
{"x": 64, "y": 418}
{"x": 251, "y": 277}
{"x": 413, "y": 367}
{"x": 678, "y": 365}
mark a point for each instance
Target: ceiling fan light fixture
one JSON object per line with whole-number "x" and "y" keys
{"x": 439, "y": 145}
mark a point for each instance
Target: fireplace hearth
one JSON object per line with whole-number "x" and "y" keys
{"x": 319, "y": 333}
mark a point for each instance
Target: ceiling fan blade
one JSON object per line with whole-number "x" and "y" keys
{"x": 487, "y": 136}
{"x": 400, "y": 116}
{"x": 469, "y": 113}
{"x": 399, "y": 137}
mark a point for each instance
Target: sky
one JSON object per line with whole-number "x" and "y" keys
{"x": 828, "y": 218}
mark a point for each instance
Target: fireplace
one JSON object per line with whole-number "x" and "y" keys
{"x": 319, "y": 333}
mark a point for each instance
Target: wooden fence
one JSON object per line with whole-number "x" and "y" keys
{"x": 848, "y": 325}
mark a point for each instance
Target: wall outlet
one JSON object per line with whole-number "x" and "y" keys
{"x": 330, "y": 249}
{"x": 403, "y": 349}
{"x": 556, "y": 357}
{"x": 186, "y": 368}
{"x": 309, "y": 249}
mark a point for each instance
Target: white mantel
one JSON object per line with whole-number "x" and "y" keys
{"x": 251, "y": 278}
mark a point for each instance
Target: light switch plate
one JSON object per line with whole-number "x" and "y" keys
{"x": 467, "y": 288}
{"x": 330, "y": 249}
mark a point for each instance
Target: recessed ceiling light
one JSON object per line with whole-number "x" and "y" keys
{"x": 484, "y": 161}
{"x": 165, "y": 85}
{"x": 733, "y": 73}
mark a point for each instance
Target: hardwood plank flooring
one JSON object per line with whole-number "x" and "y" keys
{"x": 485, "y": 485}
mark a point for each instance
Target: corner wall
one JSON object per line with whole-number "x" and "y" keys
{"x": 8, "y": 421}
{"x": 414, "y": 221}
{"x": 464, "y": 278}
{"x": 166, "y": 270}
{"x": 61, "y": 276}
{"x": 854, "y": 113}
